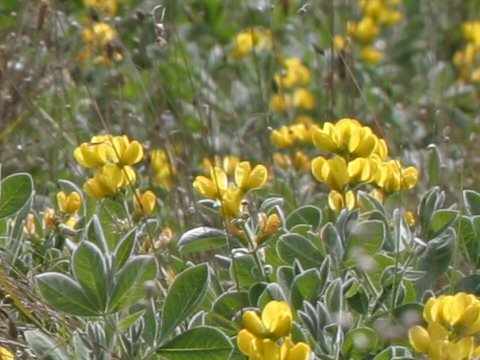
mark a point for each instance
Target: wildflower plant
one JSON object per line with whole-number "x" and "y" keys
{"x": 351, "y": 232}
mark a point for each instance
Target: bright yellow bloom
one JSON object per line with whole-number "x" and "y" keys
{"x": 213, "y": 187}
{"x": 144, "y": 203}
{"x": 69, "y": 203}
{"x": 106, "y": 7}
{"x": 251, "y": 39}
{"x": 231, "y": 202}
{"x": 268, "y": 337}
{"x": 108, "y": 180}
{"x": 282, "y": 138}
{"x": 6, "y": 354}
{"x": 338, "y": 201}
{"x": 371, "y": 55}
{"x": 346, "y": 135}
{"x": 103, "y": 149}
{"x": 275, "y": 321}
{"x": 304, "y": 99}
{"x": 281, "y": 102}
{"x": 333, "y": 172}
{"x": 453, "y": 322}
{"x": 162, "y": 169}
{"x": 247, "y": 178}
{"x": 293, "y": 74}
{"x": 392, "y": 177}
{"x": 365, "y": 30}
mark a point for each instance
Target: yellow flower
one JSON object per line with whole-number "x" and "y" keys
{"x": 280, "y": 102}
{"x": 231, "y": 202}
{"x": 275, "y": 320}
{"x": 293, "y": 74}
{"x": 106, "y": 7}
{"x": 108, "y": 180}
{"x": 162, "y": 169}
{"x": 365, "y": 30}
{"x": 338, "y": 201}
{"x": 346, "y": 135}
{"x": 126, "y": 152}
{"x": 92, "y": 155}
{"x": 99, "y": 34}
{"x": 333, "y": 172}
{"x": 247, "y": 178}
{"x": 69, "y": 203}
{"x": 392, "y": 177}
{"x": 371, "y": 55}
{"x": 144, "y": 203}
{"x": 251, "y": 39}
{"x": 304, "y": 99}
{"x": 268, "y": 336}
{"x": 6, "y": 354}
{"x": 49, "y": 219}
{"x": 453, "y": 322}
{"x": 267, "y": 226}
{"x": 282, "y": 138}
{"x": 213, "y": 187}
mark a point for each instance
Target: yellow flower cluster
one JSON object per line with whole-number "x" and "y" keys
{"x": 249, "y": 40}
{"x": 452, "y": 330}
{"x": 376, "y": 14}
{"x": 467, "y": 60}
{"x": 291, "y": 83}
{"x": 269, "y": 336}
{"x": 100, "y": 38}
{"x": 111, "y": 157}
{"x": 359, "y": 157}
{"x": 230, "y": 195}
{"x": 162, "y": 169}
{"x": 292, "y": 137}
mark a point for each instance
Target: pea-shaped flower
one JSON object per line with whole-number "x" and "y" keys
{"x": 213, "y": 187}
{"x": 333, "y": 172}
{"x": 69, "y": 203}
{"x": 247, "y": 178}
{"x": 274, "y": 322}
{"x": 144, "y": 203}
{"x": 126, "y": 152}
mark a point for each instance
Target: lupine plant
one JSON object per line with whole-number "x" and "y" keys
{"x": 239, "y": 180}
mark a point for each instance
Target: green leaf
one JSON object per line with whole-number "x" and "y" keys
{"x": 229, "y": 303}
{"x": 440, "y": 220}
{"x": 333, "y": 242}
{"x": 307, "y": 214}
{"x": 360, "y": 340}
{"x": 128, "y": 321}
{"x": 305, "y": 287}
{"x": 44, "y": 347}
{"x": 295, "y": 246}
{"x": 130, "y": 282}
{"x": 124, "y": 248}
{"x": 472, "y": 201}
{"x": 15, "y": 191}
{"x": 436, "y": 259}
{"x": 202, "y": 239}
{"x": 64, "y": 294}
{"x": 469, "y": 284}
{"x": 186, "y": 293}
{"x": 90, "y": 270}
{"x": 200, "y": 343}
{"x": 365, "y": 240}
{"x": 97, "y": 235}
